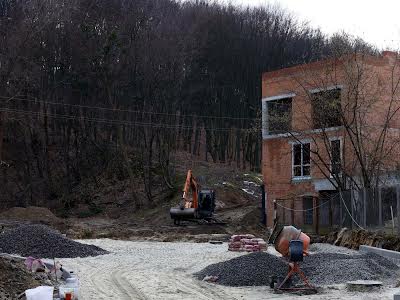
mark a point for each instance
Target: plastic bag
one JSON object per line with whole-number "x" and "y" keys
{"x": 40, "y": 293}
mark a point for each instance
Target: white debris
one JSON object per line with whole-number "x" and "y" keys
{"x": 250, "y": 192}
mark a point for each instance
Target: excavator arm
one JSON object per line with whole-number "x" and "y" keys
{"x": 190, "y": 184}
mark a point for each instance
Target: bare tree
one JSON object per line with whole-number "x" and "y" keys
{"x": 349, "y": 108}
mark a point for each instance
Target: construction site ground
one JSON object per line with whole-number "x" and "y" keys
{"x": 163, "y": 270}
{"x": 151, "y": 258}
{"x": 238, "y": 201}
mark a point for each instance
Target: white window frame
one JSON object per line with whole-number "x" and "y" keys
{"x": 264, "y": 114}
{"x": 302, "y": 177}
{"x": 340, "y": 139}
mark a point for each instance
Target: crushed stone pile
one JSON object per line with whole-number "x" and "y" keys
{"x": 335, "y": 268}
{"x": 257, "y": 268}
{"x": 15, "y": 278}
{"x": 247, "y": 270}
{"x": 43, "y": 242}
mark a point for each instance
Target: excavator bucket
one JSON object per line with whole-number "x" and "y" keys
{"x": 178, "y": 214}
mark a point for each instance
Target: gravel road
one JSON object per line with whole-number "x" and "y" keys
{"x": 156, "y": 270}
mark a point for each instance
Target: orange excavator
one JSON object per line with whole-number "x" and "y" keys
{"x": 196, "y": 203}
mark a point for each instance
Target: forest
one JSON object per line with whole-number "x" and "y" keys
{"x": 120, "y": 86}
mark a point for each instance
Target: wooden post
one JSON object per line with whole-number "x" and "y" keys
{"x": 380, "y": 206}
{"x": 315, "y": 215}
{"x": 398, "y": 208}
{"x": 284, "y": 212}
{"x": 330, "y": 213}
{"x": 365, "y": 207}
{"x": 293, "y": 212}
{"x": 352, "y": 208}
{"x": 340, "y": 209}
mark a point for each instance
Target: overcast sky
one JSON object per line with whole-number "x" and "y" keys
{"x": 377, "y": 22}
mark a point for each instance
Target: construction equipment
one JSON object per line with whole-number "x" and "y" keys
{"x": 293, "y": 245}
{"x": 199, "y": 206}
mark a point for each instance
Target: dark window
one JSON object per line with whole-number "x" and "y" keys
{"x": 279, "y": 116}
{"x": 301, "y": 160}
{"x": 308, "y": 210}
{"x": 326, "y": 109}
{"x": 336, "y": 157}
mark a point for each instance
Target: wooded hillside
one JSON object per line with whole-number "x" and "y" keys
{"x": 118, "y": 86}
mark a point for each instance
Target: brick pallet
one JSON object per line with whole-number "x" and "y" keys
{"x": 246, "y": 242}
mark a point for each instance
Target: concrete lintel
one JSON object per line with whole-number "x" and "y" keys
{"x": 382, "y": 252}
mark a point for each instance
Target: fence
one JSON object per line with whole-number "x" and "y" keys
{"x": 372, "y": 209}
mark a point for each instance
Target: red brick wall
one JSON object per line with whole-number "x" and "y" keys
{"x": 277, "y": 157}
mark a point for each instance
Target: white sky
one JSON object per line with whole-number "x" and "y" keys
{"x": 377, "y": 22}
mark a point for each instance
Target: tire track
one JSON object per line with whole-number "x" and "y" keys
{"x": 128, "y": 290}
{"x": 151, "y": 271}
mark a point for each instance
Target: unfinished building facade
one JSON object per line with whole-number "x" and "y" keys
{"x": 328, "y": 125}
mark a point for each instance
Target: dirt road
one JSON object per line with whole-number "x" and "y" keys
{"x": 155, "y": 270}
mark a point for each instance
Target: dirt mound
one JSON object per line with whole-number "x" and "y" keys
{"x": 354, "y": 238}
{"x": 32, "y": 214}
{"x": 15, "y": 279}
{"x": 44, "y": 242}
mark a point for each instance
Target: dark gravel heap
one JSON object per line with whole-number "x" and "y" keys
{"x": 251, "y": 269}
{"x": 321, "y": 269}
{"x": 333, "y": 268}
{"x": 43, "y": 242}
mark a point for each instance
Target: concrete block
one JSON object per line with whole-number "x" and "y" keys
{"x": 396, "y": 296}
{"x": 382, "y": 252}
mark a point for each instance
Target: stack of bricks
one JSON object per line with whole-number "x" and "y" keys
{"x": 246, "y": 242}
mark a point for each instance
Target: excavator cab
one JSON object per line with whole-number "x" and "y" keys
{"x": 206, "y": 203}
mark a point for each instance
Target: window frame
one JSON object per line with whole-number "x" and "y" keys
{"x": 302, "y": 165}
{"x": 327, "y": 89}
{"x": 265, "y": 114}
{"x": 287, "y": 123}
{"x": 332, "y": 139}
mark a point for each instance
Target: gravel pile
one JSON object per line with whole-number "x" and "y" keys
{"x": 252, "y": 269}
{"x": 328, "y": 248}
{"x": 321, "y": 269}
{"x": 44, "y": 242}
{"x": 335, "y": 268}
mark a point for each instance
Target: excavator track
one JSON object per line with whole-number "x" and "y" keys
{"x": 211, "y": 221}
{"x": 208, "y": 221}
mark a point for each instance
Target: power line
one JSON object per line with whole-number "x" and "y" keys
{"x": 301, "y": 210}
{"x": 329, "y": 199}
{"x": 117, "y": 122}
{"x": 351, "y": 216}
{"x": 122, "y": 110}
